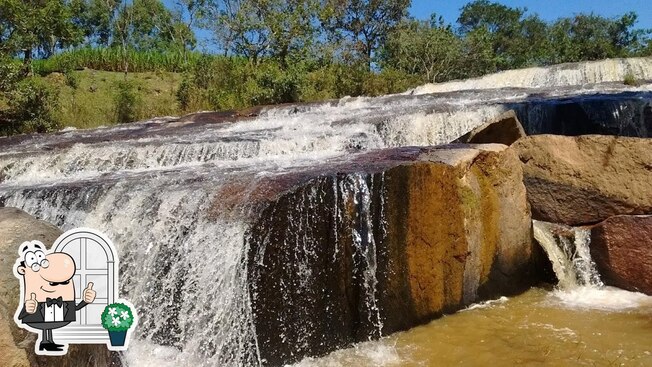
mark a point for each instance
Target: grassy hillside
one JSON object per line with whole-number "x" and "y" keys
{"x": 87, "y": 98}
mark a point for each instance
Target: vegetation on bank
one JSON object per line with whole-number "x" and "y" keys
{"x": 114, "y": 59}
{"x": 87, "y": 63}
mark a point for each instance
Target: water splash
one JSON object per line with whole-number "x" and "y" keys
{"x": 602, "y": 298}
{"x": 579, "y": 283}
{"x": 571, "y": 261}
{"x": 377, "y": 353}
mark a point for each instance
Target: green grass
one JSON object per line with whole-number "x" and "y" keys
{"x": 631, "y": 80}
{"x": 111, "y": 59}
{"x": 92, "y": 90}
{"x": 92, "y": 102}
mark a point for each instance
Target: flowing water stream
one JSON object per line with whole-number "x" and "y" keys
{"x": 538, "y": 328}
{"x": 175, "y": 198}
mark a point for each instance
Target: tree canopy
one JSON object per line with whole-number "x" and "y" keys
{"x": 375, "y": 33}
{"x": 274, "y": 51}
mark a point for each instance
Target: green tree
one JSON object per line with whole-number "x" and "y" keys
{"x": 187, "y": 14}
{"x": 29, "y": 102}
{"x": 365, "y": 24}
{"x": 149, "y": 25}
{"x": 593, "y": 37}
{"x": 283, "y": 30}
{"x": 29, "y": 26}
{"x": 502, "y": 24}
{"x": 96, "y": 19}
{"x": 479, "y": 56}
{"x": 426, "y": 48}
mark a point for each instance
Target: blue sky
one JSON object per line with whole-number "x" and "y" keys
{"x": 547, "y": 9}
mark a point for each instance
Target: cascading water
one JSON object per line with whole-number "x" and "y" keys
{"x": 579, "y": 282}
{"x": 159, "y": 191}
{"x": 578, "y": 74}
{"x": 365, "y": 245}
{"x": 174, "y": 197}
{"x": 571, "y": 261}
{"x": 582, "y": 322}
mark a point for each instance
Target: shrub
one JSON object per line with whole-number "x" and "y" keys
{"x": 71, "y": 79}
{"x": 220, "y": 83}
{"x": 113, "y": 58}
{"x": 127, "y": 101}
{"x": 270, "y": 84}
{"x": 185, "y": 92}
{"x": 10, "y": 74}
{"x": 389, "y": 81}
{"x": 630, "y": 79}
{"x": 318, "y": 85}
{"x": 31, "y": 106}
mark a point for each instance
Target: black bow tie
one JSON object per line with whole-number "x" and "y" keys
{"x": 54, "y": 301}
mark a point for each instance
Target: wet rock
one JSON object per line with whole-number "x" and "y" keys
{"x": 620, "y": 114}
{"x": 16, "y": 344}
{"x": 621, "y": 247}
{"x": 390, "y": 240}
{"x": 211, "y": 117}
{"x": 504, "y": 129}
{"x": 586, "y": 179}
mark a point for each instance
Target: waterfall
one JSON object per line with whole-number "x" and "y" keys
{"x": 365, "y": 245}
{"x": 183, "y": 271}
{"x": 177, "y": 199}
{"x": 579, "y": 284}
{"x": 572, "y": 74}
{"x": 571, "y": 260}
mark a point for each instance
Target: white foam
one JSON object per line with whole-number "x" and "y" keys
{"x": 603, "y": 298}
{"x": 577, "y": 74}
{"x": 486, "y": 304}
{"x": 380, "y": 353}
{"x": 145, "y": 354}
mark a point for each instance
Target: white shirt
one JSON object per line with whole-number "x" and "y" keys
{"x": 53, "y": 313}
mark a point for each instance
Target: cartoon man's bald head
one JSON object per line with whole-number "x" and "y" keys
{"x": 46, "y": 276}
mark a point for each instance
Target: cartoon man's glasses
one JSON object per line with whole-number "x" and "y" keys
{"x": 36, "y": 260}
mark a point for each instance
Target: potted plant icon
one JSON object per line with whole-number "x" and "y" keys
{"x": 117, "y": 318}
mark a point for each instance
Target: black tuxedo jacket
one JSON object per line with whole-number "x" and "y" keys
{"x": 69, "y": 310}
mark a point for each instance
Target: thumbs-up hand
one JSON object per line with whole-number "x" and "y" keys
{"x": 31, "y": 303}
{"x": 89, "y": 293}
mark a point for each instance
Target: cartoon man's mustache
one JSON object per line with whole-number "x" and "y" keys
{"x": 59, "y": 283}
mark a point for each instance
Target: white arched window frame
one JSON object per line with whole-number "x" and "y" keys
{"x": 96, "y": 261}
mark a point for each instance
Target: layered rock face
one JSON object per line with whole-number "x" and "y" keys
{"x": 619, "y": 114}
{"x": 504, "y": 129}
{"x": 621, "y": 247}
{"x": 366, "y": 249}
{"x": 16, "y": 344}
{"x": 586, "y": 179}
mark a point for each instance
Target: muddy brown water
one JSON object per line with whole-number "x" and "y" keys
{"x": 583, "y": 327}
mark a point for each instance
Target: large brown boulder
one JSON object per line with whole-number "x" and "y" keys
{"x": 16, "y": 344}
{"x": 504, "y": 129}
{"x": 586, "y": 179}
{"x": 621, "y": 247}
{"x": 387, "y": 241}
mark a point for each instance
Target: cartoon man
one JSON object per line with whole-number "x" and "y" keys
{"x": 48, "y": 293}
